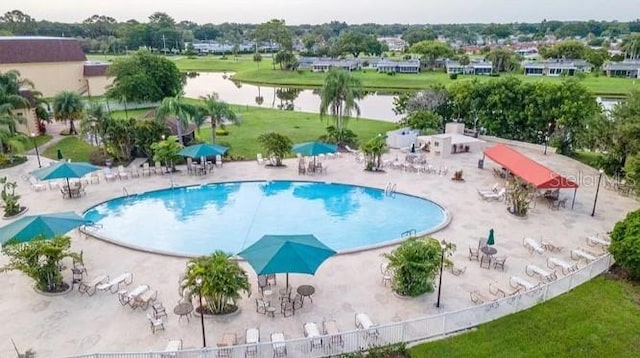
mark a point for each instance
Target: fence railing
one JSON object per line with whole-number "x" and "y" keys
{"x": 417, "y": 329}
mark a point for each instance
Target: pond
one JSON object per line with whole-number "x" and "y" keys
{"x": 375, "y": 105}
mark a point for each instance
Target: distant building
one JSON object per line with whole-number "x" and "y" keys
{"x": 219, "y": 48}
{"x": 325, "y": 64}
{"x": 626, "y": 68}
{"x": 408, "y": 66}
{"x": 473, "y": 68}
{"x": 53, "y": 64}
{"x": 560, "y": 67}
{"x": 394, "y": 43}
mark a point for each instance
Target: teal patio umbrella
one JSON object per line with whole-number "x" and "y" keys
{"x": 286, "y": 254}
{"x": 64, "y": 170}
{"x": 202, "y": 150}
{"x": 491, "y": 240}
{"x": 47, "y": 225}
{"x": 314, "y": 149}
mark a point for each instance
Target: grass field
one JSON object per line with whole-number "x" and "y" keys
{"x": 601, "y": 318}
{"x": 248, "y": 71}
{"x": 39, "y": 139}
{"x": 72, "y": 148}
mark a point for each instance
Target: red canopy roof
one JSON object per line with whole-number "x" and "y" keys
{"x": 528, "y": 169}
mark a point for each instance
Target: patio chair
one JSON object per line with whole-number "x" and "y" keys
{"x": 146, "y": 169}
{"x": 259, "y": 159}
{"x": 89, "y": 286}
{"x": 158, "y": 168}
{"x": 261, "y": 305}
{"x": 297, "y": 301}
{"x": 94, "y": 178}
{"x": 109, "y": 175}
{"x": 386, "y": 273}
{"x": 263, "y": 283}
{"x": 287, "y": 307}
{"x": 561, "y": 203}
{"x": 219, "y": 161}
{"x": 122, "y": 173}
{"x": 456, "y": 271}
{"x": 312, "y": 332}
{"x": 494, "y": 189}
{"x": 474, "y": 254}
{"x": 272, "y": 280}
{"x": 146, "y": 298}
{"x": 485, "y": 260}
{"x": 330, "y": 328}
{"x": 252, "y": 338}
{"x": 113, "y": 285}
{"x": 156, "y": 324}
{"x": 159, "y": 310}
{"x": 190, "y": 165}
{"x": 278, "y": 344}
{"x": 498, "y": 262}
{"x": 36, "y": 185}
{"x": 226, "y": 343}
{"x": 494, "y": 196}
{"x": 173, "y": 346}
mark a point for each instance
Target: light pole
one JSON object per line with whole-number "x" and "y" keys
{"x": 204, "y": 337}
{"x": 442, "y": 248}
{"x": 93, "y": 131}
{"x": 35, "y": 145}
{"x": 546, "y": 137}
{"x": 595, "y": 200}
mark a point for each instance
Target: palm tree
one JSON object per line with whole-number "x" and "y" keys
{"x": 338, "y": 95}
{"x": 68, "y": 106}
{"x": 12, "y": 81}
{"x": 218, "y": 111}
{"x": 177, "y": 107}
{"x": 95, "y": 123}
{"x": 631, "y": 47}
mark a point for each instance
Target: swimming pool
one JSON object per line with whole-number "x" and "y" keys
{"x": 197, "y": 220}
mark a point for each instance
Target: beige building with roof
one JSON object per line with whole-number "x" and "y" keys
{"x": 53, "y": 64}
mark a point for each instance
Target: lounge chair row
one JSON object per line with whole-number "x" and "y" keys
{"x": 104, "y": 283}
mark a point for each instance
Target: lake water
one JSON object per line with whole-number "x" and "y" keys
{"x": 374, "y": 106}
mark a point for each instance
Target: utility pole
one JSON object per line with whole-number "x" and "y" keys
{"x": 164, "y": 44}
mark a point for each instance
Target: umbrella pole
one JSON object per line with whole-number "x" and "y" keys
{"x": 287, "y": 287}
{"x": 69, "y": 186}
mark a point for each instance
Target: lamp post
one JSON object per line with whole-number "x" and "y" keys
{"x": 595, "y": 200}
{"x": 546, "y": 137}
{"x": 93, "y": 131}
{"x": 199, "y": 284}
{"x": 35, "y": 145}
{"x": 442, "y": 248}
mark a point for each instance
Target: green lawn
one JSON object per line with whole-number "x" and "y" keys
{"x": 601, "y": 318}
{"x": 72, "y": 148}
{"x": 591, "y": 159}
{"x": 39, "y": 139}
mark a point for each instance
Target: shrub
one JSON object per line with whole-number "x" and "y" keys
{"x": 275, "y": 144}
{"x": 415, "y": 264}
{"x": 65, "y": 132}
{"x": 10, "y": 198}
{"x": 453, "y": 76}
{"x": 625, "y": 244}
{"x": 221, "y": 132}
{"x": 98, "y": 157}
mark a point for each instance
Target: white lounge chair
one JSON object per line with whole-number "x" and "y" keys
{"x": 519, "y": 282}
{"x": 146, "y": 169}
{"x": 542, "y": 274}
{"x": 173, "y": 346}
{"x": 259, "y": 159}
{"x": 532, "y": 245}
{"x": 144, "y": 299}
{"x": 89, "y": 287}
{"x": 113, "y": 285}
{"x": 553, "y": 262}
{"x": 352, "y": 151}
{"x": 278, "y": 344}
{"x": 596, "y": 240}
{"x": 365, "y": 323}
{"x": 330, "y": 328}
{"x": 252, "y": 338}
{"x": 312, "y": 332}
{"x": 582, "y": 254}
{"x": 493, "y": 196}
{"x": 158, "y": 168}
{"x": 36, "y": 185}
{"x": 494, "y": 189}
{"x": 129, "y": 298}
{"x": 109, "y": 175}
{"x": 219, "y": 161}
{"x": 122, "y": 173}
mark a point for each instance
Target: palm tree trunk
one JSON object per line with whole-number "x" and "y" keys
{"x": 179, "y": 130}
{"x": 72, "y": 127}
{"x": 213, "y": 129}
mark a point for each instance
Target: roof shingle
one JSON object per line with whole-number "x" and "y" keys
{"x": 16, "y": 49}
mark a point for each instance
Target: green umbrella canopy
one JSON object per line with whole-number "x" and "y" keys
{"x": 202, "y": 150}
{"x": 64, "y": 170}
{"x": 491, "y": 240}
{"x": 47, "y": 225}
{"x": 286, "y": 254}
{"x": 314, "y": 148}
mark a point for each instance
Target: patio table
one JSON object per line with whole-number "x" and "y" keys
{"x": 306, "y": 291}
{"x": 488, "y": 250}
{"x": 183, "y": 310}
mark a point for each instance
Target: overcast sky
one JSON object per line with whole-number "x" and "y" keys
{"x": 320, "y": 11}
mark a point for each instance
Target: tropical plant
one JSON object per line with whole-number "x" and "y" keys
{"x": 41, "y": 260}
{"x": 342, "y": 138}
{"x": 167, "y": 150}
{"x": 10, "y": 198}
{"x": 625, "y": 244}
{"x": 339, "y": 96}
{"x": 457, "y": 175}
{"x": 68, "y": 107}
{"x": 219, "y": 280}
{"x": 119, "y": 137}
{"x": 178, "y": 107}
{"x": 276, "y": 145}
{"x": 373, "y": 150}
{"x": 95, "y": 123}
{"x": 145, "y": 134}
{"x": 519, "y": 196}
{"x": 415, "y": 265}
{"x": 218, "y": 111}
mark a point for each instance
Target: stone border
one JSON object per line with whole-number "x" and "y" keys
{"x": 54, "y": 294}
{"x": 447, "y": 220}
{"x": 24, "y": 210}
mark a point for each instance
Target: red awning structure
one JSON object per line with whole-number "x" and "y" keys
{"x": 528, "y": 169}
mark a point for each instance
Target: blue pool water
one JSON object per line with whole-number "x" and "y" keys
{"x": 231, "y": 216}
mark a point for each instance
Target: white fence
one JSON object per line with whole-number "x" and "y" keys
{"x": 407, "y": 331}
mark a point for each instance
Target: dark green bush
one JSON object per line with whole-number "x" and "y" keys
{"x": 453, "y": 76}
{"x": 625, "y": 244}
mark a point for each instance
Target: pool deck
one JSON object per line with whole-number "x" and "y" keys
{"x": 345, "y": 284}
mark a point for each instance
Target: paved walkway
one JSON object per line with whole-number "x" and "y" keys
{"x": 345, "y": 284}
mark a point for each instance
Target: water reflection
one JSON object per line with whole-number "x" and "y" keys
{"x": 271, "y": 188}
{"x": 338, "y": 200}
{"x": 187, "y": 202}
{"x": 375, "y": 105}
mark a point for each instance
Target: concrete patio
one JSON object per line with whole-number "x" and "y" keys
{"x": 345, "y": 284}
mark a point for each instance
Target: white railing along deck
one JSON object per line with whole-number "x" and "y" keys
{"x": 407, "y": 331}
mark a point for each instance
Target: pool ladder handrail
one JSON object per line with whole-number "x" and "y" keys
{"x": 409, "y": 233}
{"x": 390, "y": 189}
{"x": 125, "y": 191}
